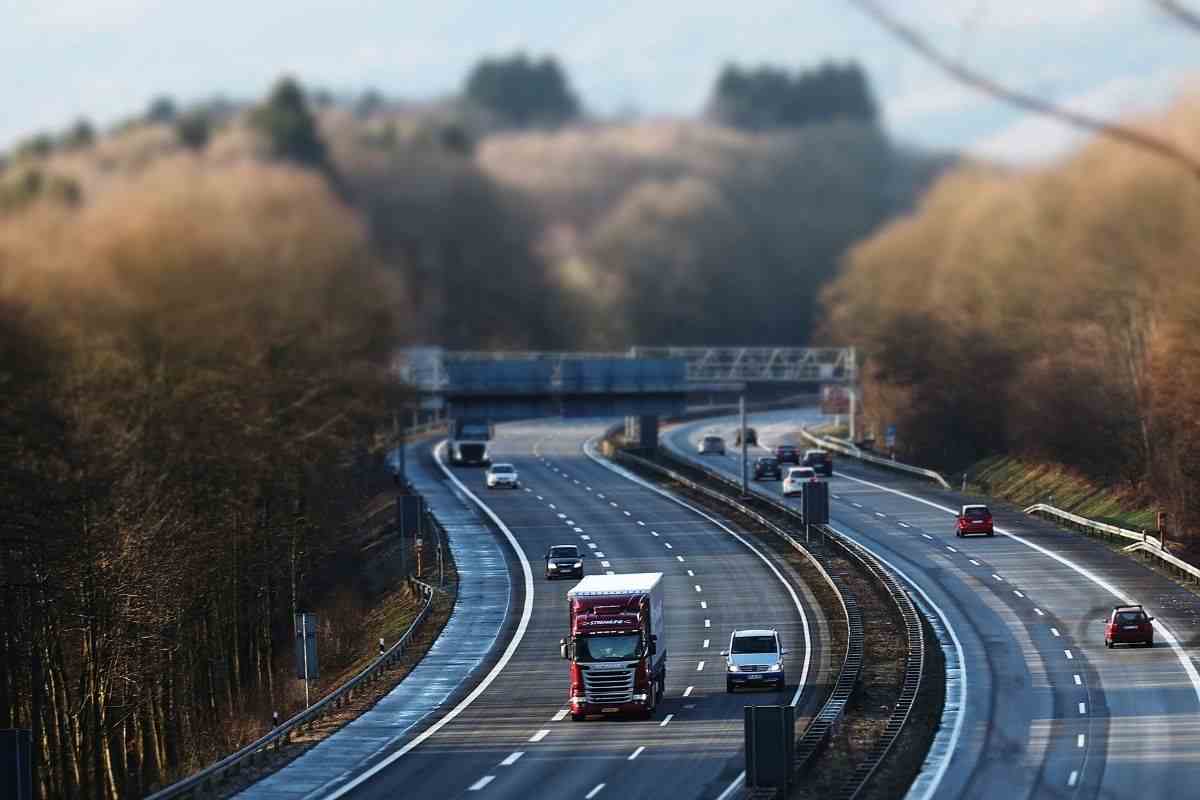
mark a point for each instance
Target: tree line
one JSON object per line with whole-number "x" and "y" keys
{"x": 1050, "y": 314}
{"x": 195, "y": 385}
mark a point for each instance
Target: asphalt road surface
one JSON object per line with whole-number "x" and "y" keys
{"x": 1050, "y": 712}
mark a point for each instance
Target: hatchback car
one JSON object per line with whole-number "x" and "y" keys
{"x": 754, "y": 659}
{"x": 788, "y": 454}
{"x": 767, "y": 467}
{"x": 793, "y": 484}
{"x": 974, "y": 519}
{"x": 1128, "y": 625}
{"x": 503, "y": 476}
{"x": 820, "y": 460}
{"x": 712, "y": 444}
{"x": 751, "y": 437}
{"x": 565, "y": 561}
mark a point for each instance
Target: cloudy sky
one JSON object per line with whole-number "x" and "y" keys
{"x": 106, "y": 58}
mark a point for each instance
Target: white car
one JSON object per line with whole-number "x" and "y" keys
{"x": 503, "y": 476}
{"x": 712, "y": 444}
{"x": 796, "y": 478}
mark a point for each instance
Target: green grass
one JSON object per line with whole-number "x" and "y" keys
{"x": 1024, "y": 482}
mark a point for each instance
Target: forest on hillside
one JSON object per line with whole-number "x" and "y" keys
{"x": 1051, "y": 313}
{"x": 197, "y": 314}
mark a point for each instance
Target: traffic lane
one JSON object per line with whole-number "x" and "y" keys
{"x": 532, "y": 526}
{"x": 1011, "y": 695}
{"x": 703, "y": 684}
{"x": 1067, "y": 602}
{"x": 524, "y": 700}
{"x": 1127, "y": 687}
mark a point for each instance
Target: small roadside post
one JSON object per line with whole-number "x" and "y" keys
{"x": 742, "y": 412}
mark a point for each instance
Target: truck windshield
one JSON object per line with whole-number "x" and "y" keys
{"x": 607, "y": 648}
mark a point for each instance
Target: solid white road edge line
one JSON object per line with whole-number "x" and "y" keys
{"x": 960, "y": 701}
{"x": 505, "y": 657}
{"x": 1167, "y": 634}
{"x": 589, "y": 449}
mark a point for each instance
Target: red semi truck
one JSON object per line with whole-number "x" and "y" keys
{"x": 617, "y": 644}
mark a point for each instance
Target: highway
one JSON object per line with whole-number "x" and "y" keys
{"x": 515, "y": 740}
{"x": 1049, "y": 711}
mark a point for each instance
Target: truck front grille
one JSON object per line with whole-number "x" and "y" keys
{"x": 608, "y": 686}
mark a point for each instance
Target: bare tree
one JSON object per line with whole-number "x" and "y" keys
{"x": 1180, "y": 12}
{"x": 965, "y": 75}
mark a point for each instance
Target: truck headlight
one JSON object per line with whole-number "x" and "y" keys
{"x": 551, "y": 566}
{"x": 776, "y": 667}
{"x": 733, "y": 667}
{"x": 578, "y": 564}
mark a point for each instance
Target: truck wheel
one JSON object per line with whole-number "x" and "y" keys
{"x": 652, "y": 701}
{"x": 576, "y": 717}
{"x": 728, "y": 687}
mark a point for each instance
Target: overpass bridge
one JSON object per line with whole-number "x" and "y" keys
{"x": 642, "y": 383}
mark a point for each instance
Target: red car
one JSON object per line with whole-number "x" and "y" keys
{"x": 1129, "y": 625}
{"x": 788, "y": 454}
{"x": 974, "y": 519}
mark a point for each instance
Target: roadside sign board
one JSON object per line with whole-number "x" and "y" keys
{"x": 835, "y": 399}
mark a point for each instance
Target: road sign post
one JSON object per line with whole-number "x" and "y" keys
{"x": 307, "y": 665}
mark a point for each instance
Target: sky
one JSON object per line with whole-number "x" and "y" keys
{"x": 105, "y": 59}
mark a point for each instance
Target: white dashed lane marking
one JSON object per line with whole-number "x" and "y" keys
{"x": 594, "y": 792}
{"x": 560, "y": 715}
{"x": 482, "y": 782}
{"x": 636, "y": 753}
{"x": 688, "y": 691}
{"x": 542, "y": 734}
{"x": 512, "y": 758}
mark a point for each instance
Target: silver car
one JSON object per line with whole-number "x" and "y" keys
{"x": 754, "y": 659}
{"x": 503, "y": 476}
{"x": 712, "y": 444}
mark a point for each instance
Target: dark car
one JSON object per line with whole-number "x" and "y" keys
{"x": 820, "y": 460}
{"x": 974, "y": 519}
{"x": 788, "y": 454}
{"x": 564, "y": 560}
{"x": 1128, "y": 625}
{"x": 751, "y": 437}
{"x": 767, "y": 467}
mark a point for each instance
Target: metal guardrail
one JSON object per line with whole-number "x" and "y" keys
{"x": 855, "y": 452}
{"x": 1142, "y": 542}
{"x": 206, "y": 779}
{"x": 821, "y": 726}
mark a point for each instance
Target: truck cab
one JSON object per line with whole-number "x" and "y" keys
{"x": 616, "y": 645}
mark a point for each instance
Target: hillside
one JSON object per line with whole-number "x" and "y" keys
{"x": 1051, "y": 314}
